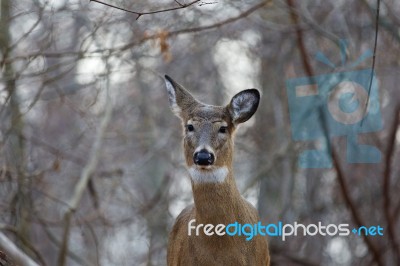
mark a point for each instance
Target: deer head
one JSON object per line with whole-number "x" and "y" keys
{"x": 209, "y": 130}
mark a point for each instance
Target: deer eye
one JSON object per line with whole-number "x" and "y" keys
{"x": 223, "y": 129}
{"x": 190, "y": 128}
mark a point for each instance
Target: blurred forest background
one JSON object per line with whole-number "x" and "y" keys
{"x": 91, "y": 165}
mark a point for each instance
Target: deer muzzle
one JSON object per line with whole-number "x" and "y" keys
{"x": 203, "y": 158}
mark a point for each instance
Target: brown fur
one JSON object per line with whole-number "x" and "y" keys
{"x": 214, "y": 202}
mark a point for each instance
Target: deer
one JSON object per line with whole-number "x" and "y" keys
{"x": 208, "y": 150}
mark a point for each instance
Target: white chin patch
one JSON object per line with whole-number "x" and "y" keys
{"x": 215, "y": 175}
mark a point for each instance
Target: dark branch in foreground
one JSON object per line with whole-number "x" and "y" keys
{"x": 353, "y": 209}
{"x": 139, "y": 14}
{"x": 14, "y": 252}
{"x": 390, "y": 154}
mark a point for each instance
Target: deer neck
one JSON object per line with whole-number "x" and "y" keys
{"x": 217, "y": 202}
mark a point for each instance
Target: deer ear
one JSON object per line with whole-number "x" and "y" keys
{"x": 243, "y": 105}
{"x": 179, "y": 98}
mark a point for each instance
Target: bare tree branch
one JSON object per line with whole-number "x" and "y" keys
{"x": 117, "y": 50}
{"x": 14, "y": 252}
{"x": 139, "y": 14}
{"x": 30, "y": 246}
{"x": 386, "y": 185}
{"x": 300, "y": 42}
{"x": 85, "y": 177}
{"x": 384, "y": 21}
{"x": 244, "y": 14}
{"x": 340, "y": 176}
{"x": 57, "y": 243}
{"x": 353, "y": 209}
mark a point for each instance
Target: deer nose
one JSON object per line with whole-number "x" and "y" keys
{"x": 203, "y": 158}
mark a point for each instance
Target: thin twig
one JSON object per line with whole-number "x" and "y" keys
{"x": 53, "y": 150}
{"x": 373, "y": 58}
{"x": 141, "y": 13}
{"x": 208, "y": 3}
{"x": 221, "y": 23}
{"x": 178, "y": 3}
